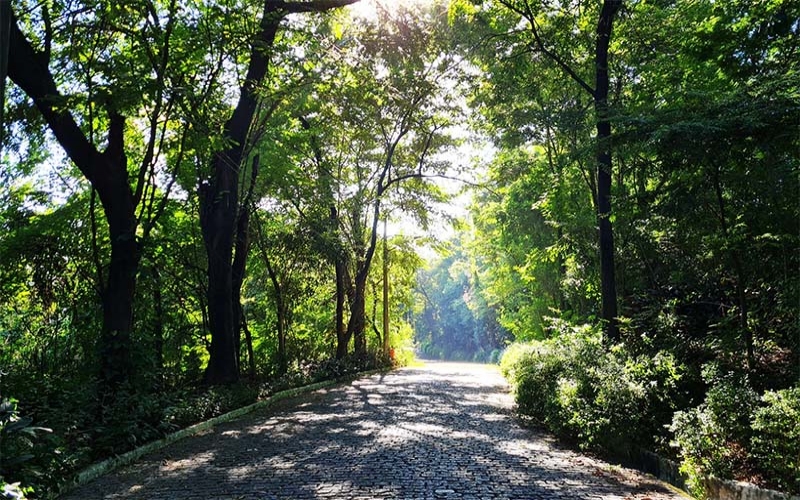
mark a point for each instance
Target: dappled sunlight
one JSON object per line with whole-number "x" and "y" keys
{"x": 407, "y": 434}
{"x": 189, "y": 464}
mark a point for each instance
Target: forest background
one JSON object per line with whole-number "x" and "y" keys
{"x": 199, "y": 204}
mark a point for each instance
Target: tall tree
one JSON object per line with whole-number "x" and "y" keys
{"x": 91, "y": 124}
{"x": 219, "y": 194}
{"x": 536, "y": 15}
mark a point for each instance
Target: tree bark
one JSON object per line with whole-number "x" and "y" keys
{"x": 608, "y": 287}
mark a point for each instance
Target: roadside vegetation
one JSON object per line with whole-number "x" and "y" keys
{"x": 204, "y": 203}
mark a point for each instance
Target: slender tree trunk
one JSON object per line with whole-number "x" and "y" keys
{"x": 385, "y": 291}
{"x": 251, "y": 356}
{"x": 602, "y": 192}
{"x": 280, "y": 315}
{"x": 342, "y": 333}
{"x": 241, "y": 251}
{"x": 608, "y": 287}
{"x": 158, "y": 327}
{"x": 241, "y": 248}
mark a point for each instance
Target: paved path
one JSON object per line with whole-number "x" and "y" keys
{"x": 439, "y": 432}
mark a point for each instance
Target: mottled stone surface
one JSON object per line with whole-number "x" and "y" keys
{"x": 443, "y": 431}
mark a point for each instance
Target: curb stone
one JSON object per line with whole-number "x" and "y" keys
{"x": 99, "y": 469}
{"x": 716, "y": 489}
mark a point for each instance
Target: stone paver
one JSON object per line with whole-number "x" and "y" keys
{"x": 444, "y": 431}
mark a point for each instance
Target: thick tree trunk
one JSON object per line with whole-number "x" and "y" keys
{"x": 220, "y": 208}
{"x": 608, "y": 287}
{"x": 357, "y": 323}
{"x": 116, "y": 366}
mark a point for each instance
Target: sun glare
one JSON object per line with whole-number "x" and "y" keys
{"x": 368, "y": 8}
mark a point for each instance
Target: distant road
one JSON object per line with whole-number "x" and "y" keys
{"x": 442, "y": 431}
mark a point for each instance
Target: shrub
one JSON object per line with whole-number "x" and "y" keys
{"x": 714, "y": 437}
{"x": 776, "y": 438}
{"x": 191, "y": 409}
{"x": 579, "y": 389}
{"x": 17, "y": 450}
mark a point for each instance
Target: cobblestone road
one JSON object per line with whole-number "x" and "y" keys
{"x": 438, "y": 432}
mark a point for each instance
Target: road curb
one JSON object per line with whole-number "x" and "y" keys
{"x": 100, "y": 469}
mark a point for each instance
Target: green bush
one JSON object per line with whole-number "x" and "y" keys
{"x": 193, "y": 408}
{"x": 18, "y": 440}
{"x": 714, "y": 437}
{"x": 776, "y": 438}
{"x": 602, "y": 398}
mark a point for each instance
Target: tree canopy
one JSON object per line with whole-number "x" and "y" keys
{"x": 204, "y": 202}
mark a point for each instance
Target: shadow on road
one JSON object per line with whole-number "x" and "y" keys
{"x": 443, "y": 431}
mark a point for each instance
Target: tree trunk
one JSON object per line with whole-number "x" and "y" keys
{"x": 108, "y": 174}
{"x": 280, "y": 315}
{"x": 220, "y": 207}
{"x": 158, "y": 328}
{"x": 602, "y": 193}
{"x": 241, "y": 248}
{"x": 608, "y": 287}
{"x": 342, "y": 333}
{"x": 357, "y": 323}
{"x": 385, "y": 291}
{"x": 241, "y": 251}
{"x": 219, "y": 198}
{"x": 251, "y": 356}
{"x": 116, "y": 366}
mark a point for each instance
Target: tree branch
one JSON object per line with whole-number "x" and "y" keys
{"x": 310, "y": 6}
{"x": 528, "y": 14}
{"x": 28, "y": 69}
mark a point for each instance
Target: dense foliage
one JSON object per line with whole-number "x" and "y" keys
{"x": 452, "y": 320}
{"x": 199, "y": 205}
{"x": 170, "y": 253}
{"x": 703, "y": 105}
